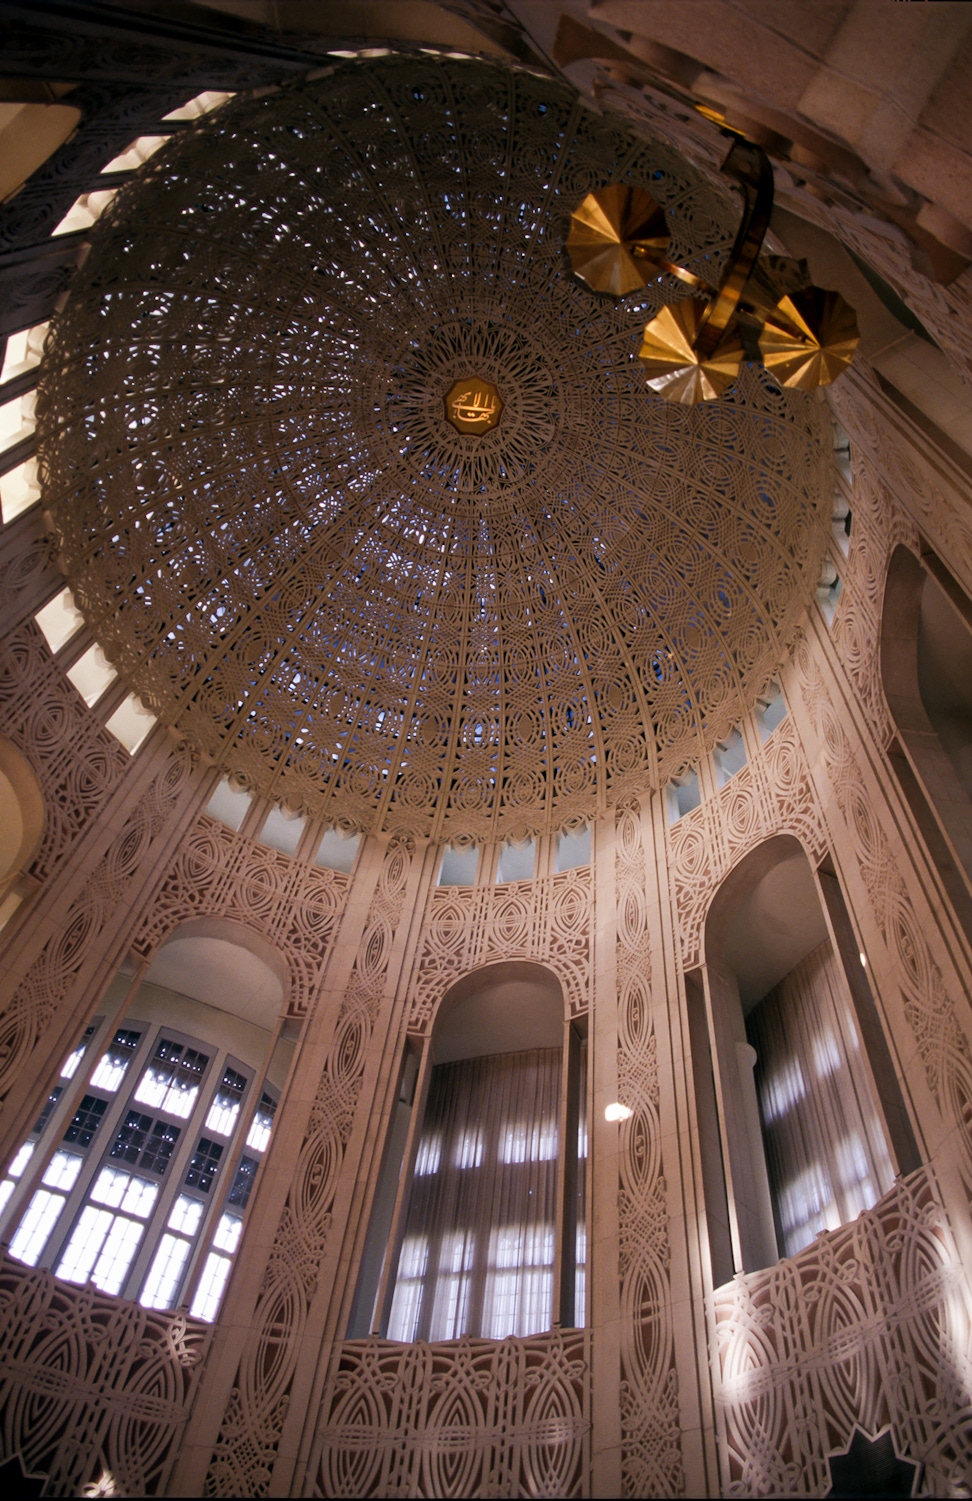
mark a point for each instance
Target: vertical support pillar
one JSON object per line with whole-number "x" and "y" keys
{"x": 681, "y": 1165}
{"x": 82, "y": 922}
{"x": 605, "y": 1174}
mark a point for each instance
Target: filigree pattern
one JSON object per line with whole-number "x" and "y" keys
{"x": 943, "y": 1046}
{"x": 76, "y": 760}
{"x": 772, "y": 794}
{"x": 471, "y": 1417}
{"x": 246, "y": 1450}
{"x": 925, "y": 486}
{"x": 651, "y": 1458}
{"x": 28, "y": 572}
{"x": 466, "y": 927}
{"x": 216, "y": 873}
{"x": 878, "y": 525}
{"x": 870, "y": 1325}
{"x": 93, "y": 1388}
{"x": 52, "y": 976}
{"x": 389, "y": 623}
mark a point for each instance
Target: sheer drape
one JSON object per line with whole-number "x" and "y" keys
{"x": 826, "y": 1149}
{"x": 478, "y": 1252}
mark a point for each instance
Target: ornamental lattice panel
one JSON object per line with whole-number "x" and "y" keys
{"x": 362, "y": 611}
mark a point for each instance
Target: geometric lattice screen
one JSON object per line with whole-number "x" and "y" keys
{"x": 293, "y": 556}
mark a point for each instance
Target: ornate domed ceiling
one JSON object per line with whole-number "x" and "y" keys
{"x": 293, "y": 552}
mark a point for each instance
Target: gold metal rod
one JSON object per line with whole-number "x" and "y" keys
{"x": 643, "y": 253}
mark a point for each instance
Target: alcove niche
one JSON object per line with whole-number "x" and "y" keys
{"x": 138, "y": 1172}
{"x": 800, "y": 1117}
{"x": 22, "y": 822}
{"x": 926, "y": 670}
{"x": 478, "y": 1222}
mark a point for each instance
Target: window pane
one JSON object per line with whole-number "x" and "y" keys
{"x": 459, "y": 866}
{"x": 145, "y": 1143}
{"x": 515, "y": 862}
{"x": 21, "y": 1160}
{"x": 478, "y": 1250}
{"x": 131, "y": 722}
{"x": 282, "y": 833}
{"x": 35, "y": 1228}
{"x": 574, "y": 849}
{"x": 259, "y": 1133}
{"x": 86, "y": 1121}
{"x": 62, "y": 1171}
{"x": 122, "y": 1191}
{"x": 228, "y": 805}
{"x": 165, "y": 1273}
{"x": 45, "y": 1114}
{"x": 73, "y": 1059}
{"x": 91, "y": 674}
{"x": 59, "y": 619}
{"x": 186, "y": 1215}
{"x": 205, "y": 1305}
{"x": 225, "y": 1109}
{"x": 204, "y": 1165}
{"x": 111, "y": 1069}
{"x": 337, "y": 852}
{"x": 172, "y": 1079}
{"x": 239, "y": 1193}
{"x": 227, "y": 1236}
{"x": 118, "y": 1253}
{"x": 87, "y": 1239}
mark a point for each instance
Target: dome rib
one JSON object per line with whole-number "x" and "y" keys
{"x": 291, "y": 555}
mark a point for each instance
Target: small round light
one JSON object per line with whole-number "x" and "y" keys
{"x": 863, "y": 959}
{"x": 617, "y": 1112}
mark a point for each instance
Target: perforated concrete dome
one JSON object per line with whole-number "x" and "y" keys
{"x": 296, "y": 559}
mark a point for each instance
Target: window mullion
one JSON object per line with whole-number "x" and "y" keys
{"x": 94, "y": 1154}
{"x": 50, "y": 1139}
{"x": 235, "y": 1150}
{"x": 175, "y": 1172}
{"x": 389, "y": 1273}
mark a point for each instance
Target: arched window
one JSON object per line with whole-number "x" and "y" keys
{"x": 926, "y": 667}
{"x": 22, "y": 822}
{"x": 800, "y": 1115}
{"x": 488, "y": 1232}
{"x": 137, "y": 1174}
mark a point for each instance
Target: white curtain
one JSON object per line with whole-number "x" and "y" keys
{"x": 478, "y": 1252}
{"x": 826, "y": 1147}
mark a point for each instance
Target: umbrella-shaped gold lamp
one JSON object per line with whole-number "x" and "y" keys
{"x": 676, "y": 367}
{"x": 809, "y": 338}
{"x": 618, "y": 235}
{"x": 692, "y": 350}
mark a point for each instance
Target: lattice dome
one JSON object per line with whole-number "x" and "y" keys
{"x": 292, "y": 555}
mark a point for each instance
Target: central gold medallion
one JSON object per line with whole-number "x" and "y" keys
{"x": 473, "y": 406}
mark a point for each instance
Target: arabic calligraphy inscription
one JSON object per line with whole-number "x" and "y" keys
{"x": 473, "y": 405}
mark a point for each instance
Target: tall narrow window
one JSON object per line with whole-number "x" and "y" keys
{"x": 491, "y": 1233}
{"x": 801, "y": 1112}
{"x": 826, "y": 1150}
{"x": 926, "y": 670}
{"x": 138, "y": 1171}
{"x": 478, "y": 1251}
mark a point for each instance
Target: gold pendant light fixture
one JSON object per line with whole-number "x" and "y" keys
{"x": 809, "y": 338}
{"x": 693, "y": 350}
{"x": 676, "y": 366}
